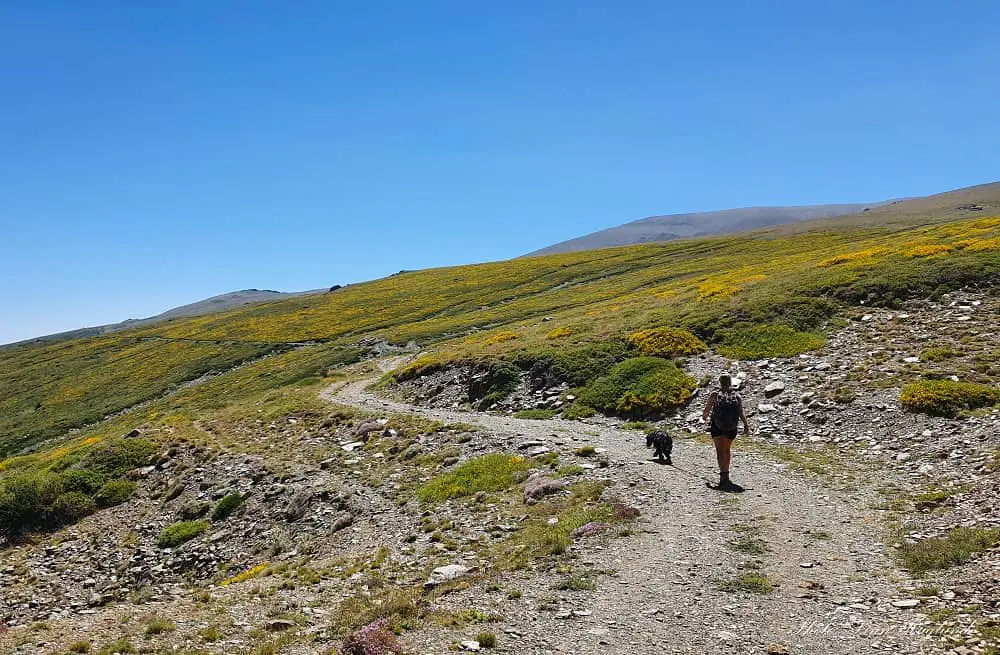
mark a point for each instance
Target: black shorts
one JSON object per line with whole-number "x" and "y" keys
{"x": 717, "y": 432}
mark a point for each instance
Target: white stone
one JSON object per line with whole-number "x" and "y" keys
{"x": 446, "y": 573}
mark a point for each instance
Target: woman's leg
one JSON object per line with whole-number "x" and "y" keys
{"x": 723, "y": 453}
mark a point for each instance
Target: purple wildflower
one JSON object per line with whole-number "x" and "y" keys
{"x": 373, "y": 639}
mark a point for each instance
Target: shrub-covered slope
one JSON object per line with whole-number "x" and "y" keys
{"x": 715, "y": 287}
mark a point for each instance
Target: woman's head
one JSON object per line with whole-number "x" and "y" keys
{"x": 725, "y": 381}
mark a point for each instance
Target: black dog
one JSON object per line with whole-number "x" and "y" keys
{"x": 662, "y": 443}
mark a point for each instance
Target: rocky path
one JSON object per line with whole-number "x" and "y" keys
{"x": 833, "y": 591}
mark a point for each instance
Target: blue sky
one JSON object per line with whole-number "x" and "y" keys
{"x": 155, "y": 155}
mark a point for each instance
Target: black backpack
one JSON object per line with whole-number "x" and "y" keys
{"x": 726, "y": 412}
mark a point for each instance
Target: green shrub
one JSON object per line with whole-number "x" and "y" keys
{"x": 947, "y": 398}
{"x": 493, "y": 472}
{"x": 636, "y": 425}
{"x": 25, "y": 499}
{"x": 749, "y": 582}
{"x": 122, "y": 645}
{"x": 640, "y": 386}
{"x": 576, "y": 583}
{"x": 939, "y": 353}
{"x": 158, "y": 625}
{"x": 535, "y": 414}
{"x": 666, "y": 342}
{"x": 226, "y": 506}
{"x": 79, "y": 647}
{"x": 118, "y": 457}
{"x": 577, "y": 411}
{"x": 487, "y": 639}
{"x": 180, "y": 532}
{"x": 114, "y": 493}
{"x": 957, "y": 547}
{"x": 84, "y": 480}
{"x": 70, "y": 507}
{"x": 547, "y": 366}
{"x": 763, "y": 341}
{"x": 491, "y": 382}
{"x": 586, "y": 451}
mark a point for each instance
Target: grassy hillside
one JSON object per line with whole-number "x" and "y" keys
{"x": 712, "y": 286}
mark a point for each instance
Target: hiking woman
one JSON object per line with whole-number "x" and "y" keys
{"x": 724, "y": 411}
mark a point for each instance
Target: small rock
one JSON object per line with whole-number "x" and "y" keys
{"x": 471, "y": 645}
{"x": 279, "y": 625}
{"x": 298, "y": 505}
{"x": 341, "y": 521}
{"x": 773, "y": 389}
{"x": 538, "y": 486}
{"x": 906, "y": 603}
{"x": 445, "y": 574}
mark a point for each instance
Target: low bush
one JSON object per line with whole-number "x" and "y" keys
{"x": 939, "y": 353}
{"x": 158, "y": 625}
{"x": 928, "y": 250}
{"x": 487, "y": 639}
{"x": 25, "y": 501}
{"x": 559, "y": 333}
{"x": 548, "y": 366}
{"x": 70, "y": 507}
{"x": 947, "y": 398}
{"x": 493, "y": 472}
{"x": 535, "y": 414}
{"x": 639, "y": 387}
{"x": 577, "y": 411}
{"x": 373, "y": 639}
{"x": 180, "y": 532}
{"x": 666, "y": 342}
{"x": 749, "y": 582}
{"x": 118, "y": 457}
{"x": 227, "y": 506}
{"x": 957, "y": 547}
{"x": 122, "y": 645}
{"x": 425, "y": 365}
{"x": 763, "y": 341}
{"x": 114, "y": 493}
{"x": 84, "y": 480}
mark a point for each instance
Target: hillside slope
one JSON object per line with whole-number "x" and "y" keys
{"x": 681, "y": 226}
{"x": 260, "y": 480}
{"x": 219, "y": 303}
{"x": 983, "y": 199}
{"x": 797, "y": 278}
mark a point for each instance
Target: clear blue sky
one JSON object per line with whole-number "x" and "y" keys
{"x": 152, "y": 154}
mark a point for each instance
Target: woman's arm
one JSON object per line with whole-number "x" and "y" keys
{"x": 743, "y": 417}
{"x": 708, "y": 407}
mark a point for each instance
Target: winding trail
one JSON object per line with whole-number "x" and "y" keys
{"x": 833, "y": 595}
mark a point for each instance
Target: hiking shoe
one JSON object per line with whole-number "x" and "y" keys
{"x": 730, "y": 486}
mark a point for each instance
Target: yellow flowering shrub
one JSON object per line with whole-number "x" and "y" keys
{"x": 501, "y": 337}
{"x": 666, "y": 342}
{"x": 859, "y": 255}
{"x": 979, "y": 245}
{"x": 724, "y": 286}
{"x": 928, "y": 250}
{"x": 559, "y": 333}
{"x": 252, "y": 572}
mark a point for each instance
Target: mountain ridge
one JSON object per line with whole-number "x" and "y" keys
{"x": 210, "y": 305}
{"x": 668, "y": 227}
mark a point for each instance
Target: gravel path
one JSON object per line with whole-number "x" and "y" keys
{"x": 834, "y": 591}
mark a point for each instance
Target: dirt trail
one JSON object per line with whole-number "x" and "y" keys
{"x": 824, "y": 554}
